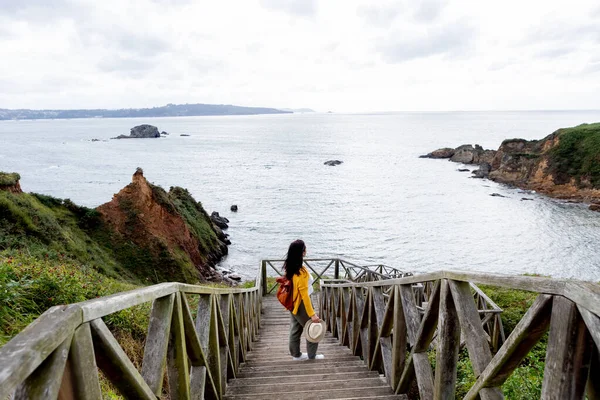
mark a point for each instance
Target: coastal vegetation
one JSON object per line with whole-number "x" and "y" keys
{"x": 9, "y": 179}
{"x": 577, "y": 155}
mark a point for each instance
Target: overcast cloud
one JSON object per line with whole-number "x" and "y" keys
{"x": 341, "y": 55}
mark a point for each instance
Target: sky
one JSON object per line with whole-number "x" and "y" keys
{"x": 339, "y": 55}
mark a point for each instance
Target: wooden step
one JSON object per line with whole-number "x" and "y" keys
{"x": 320, "y": 377}
{"x": 289, "y": 372}
{"x": 270, "y": 372}
{"x": 314, "y": 393}
{"x": 320, "y": 385}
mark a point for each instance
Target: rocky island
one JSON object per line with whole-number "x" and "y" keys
{"x": 564, "y": 164}
{"x": 143, "y": 131}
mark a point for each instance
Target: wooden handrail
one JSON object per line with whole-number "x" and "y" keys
{"x": 34, "y": 363}
{"x": 393, "y": 334}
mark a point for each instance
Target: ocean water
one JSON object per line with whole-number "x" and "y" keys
{"x": 382, "y": 205}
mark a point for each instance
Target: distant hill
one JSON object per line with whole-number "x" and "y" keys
{"x": 170, "y": 110}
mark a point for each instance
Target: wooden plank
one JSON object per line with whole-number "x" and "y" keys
{"x": 85, "y": 382}
{"x": 568, "y": 353}
{"x": 101, "y": 307}
{"x": 592, "y": 322}
{"x": 384, "y": 342}
{"x": 593, "y": 383}
{"x": 213, "y": 353}
{"x": 365, "y": 328}
{"x": 586, "y": 294}
{"x": 475, "y": 337}
{"x": 446, "y": 358}
{"x": 399, "y": 339}
{"x": 198, "y": 289}
{"x": 157, "y": 340}
{"x": 192, "y": 342}
{"x": 26, "y": 351}
{"x": 202, "y": 384}
{"x": 177, "y": 365}
{"x": 523, "y": 338}
{"x": 45, "y": 381}
{"x": 418, "y": 363}
{"x": 113, "y": 361}
{"x": 376, "y": 322}
{"x": 357, "y": 322}
{"x": 222, "y": 335}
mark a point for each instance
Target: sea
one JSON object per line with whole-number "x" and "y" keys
{"x": 383, "y": 205}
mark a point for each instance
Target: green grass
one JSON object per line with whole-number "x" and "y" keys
{"x": 195, "y": 217}
{"x": 577, "y": 155}
{"x": 9, "y": 179}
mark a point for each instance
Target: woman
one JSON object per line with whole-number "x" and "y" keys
{"x": 303, "y": 309}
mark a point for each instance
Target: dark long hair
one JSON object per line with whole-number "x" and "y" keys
{"x": 294, "y": 259}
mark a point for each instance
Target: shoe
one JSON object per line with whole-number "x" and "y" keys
{"x": 302, "y": 357}
{"x": 319, "y": 357}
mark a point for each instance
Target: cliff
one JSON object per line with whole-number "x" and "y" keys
{"x": 143, "y": 235}
{"x": 9, "y": 182}
{"x": 564, "y": 164}
{"x": 172, "y": 235}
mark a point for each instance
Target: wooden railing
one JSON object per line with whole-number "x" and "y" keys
{"x": 59, "y": 354}
{"x": 394, "y": 337}
{"x": 336, "y": 269}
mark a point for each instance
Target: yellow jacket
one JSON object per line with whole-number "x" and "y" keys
{"x": 300, "y": 283}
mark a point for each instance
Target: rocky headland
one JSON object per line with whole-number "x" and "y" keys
{"x": 564, "y": 164}
{"x": 144, "y": 234}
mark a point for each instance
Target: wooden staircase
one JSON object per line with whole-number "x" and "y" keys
{"x": 270, "y": 372}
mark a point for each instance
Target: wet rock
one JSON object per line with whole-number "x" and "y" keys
{"x": 445, "y": 152}
{"x": 219, "y": 221}
{"x": 496, "y": 195}
{"x": 163, "y": 133}
{"x": 95, "y": 140}
{"x": 526, "y": 199}
{"x": 463, "y": 170}
{"x": 594, "y": 207}
{"x": 463, "y": 154}
{"x": 234, "y": 208}
{"x": 483, "y": 171}
{"x": 235, "y": 277}
{"x": 333, "y": 163}
{"x": 184, "y": 134}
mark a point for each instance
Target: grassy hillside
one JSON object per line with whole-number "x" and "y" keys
{"x": 51, "y": 228}
{"x": 577, "y": 155}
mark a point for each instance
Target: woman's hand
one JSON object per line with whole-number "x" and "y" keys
{"x": 315, "y": 318}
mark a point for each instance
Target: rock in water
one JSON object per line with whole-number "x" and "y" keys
{"x": 594, "y": 207}
{"x": 234, "y": 208}
{"x": 141, "y": 132}
{"x": 483, "y": 171}
{"x": 219, "y": 221}
{"x": 496, "y": 195}
{"x": 164, "y": 133}
{"x": 333, "y": 163}
{"x": 445, "y": 152}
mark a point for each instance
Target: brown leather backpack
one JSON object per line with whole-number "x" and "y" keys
{"x": 285, "y": 293}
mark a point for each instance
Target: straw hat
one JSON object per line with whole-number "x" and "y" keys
{"x": 314, "y": 331}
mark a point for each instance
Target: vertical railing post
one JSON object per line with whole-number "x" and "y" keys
{"x": 264, "y": 278}
{"x": 336, "y": 273}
